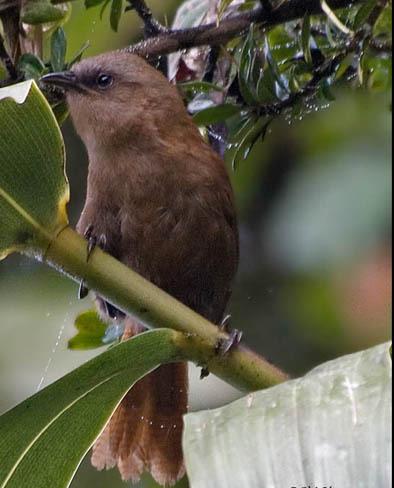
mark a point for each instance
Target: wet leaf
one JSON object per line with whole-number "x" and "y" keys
{"x": 245, "y": 80}
{"x": 58, "y": 49}
{"x": 195, "y": 87}
{"x": 258, "y": 129}
{"x": 330, "y": 421}
{"x": 213, "y": 115}
{"x": 273, "y": 66}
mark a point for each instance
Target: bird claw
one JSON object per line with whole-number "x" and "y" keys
{"x": 223, "y": 346}
{"x": 93, "y": 242}
{"x": 83, "y": 291}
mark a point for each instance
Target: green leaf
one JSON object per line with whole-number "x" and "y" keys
{"x": 273, "y": 66}
{"x": 31, "y": 157}
{"x": 330, "y": 428}
{"x": 326, "y": 92}
{"x": 58, "y": 49}
{"x": 36, "y": 12}
{"x": 306, "y": 39}
{"x": 245, "y": 71}
{"x": 91, "y": 331}
{"x": 31, "y": 66}
{"x": 256, "y": 130}
{"x": 79, "y": 54}
{"x": 195, "y": 87}
{"x": 213, "y": 115}
{"x": 116, "y": 14}
{"x": 104, "y": 8}
{"x": 92, "y": 3}
{"x": 43, "y": 440}
{"x": 363, "y": 14}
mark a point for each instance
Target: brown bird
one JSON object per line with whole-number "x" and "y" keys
{"x": 159, "y": 199}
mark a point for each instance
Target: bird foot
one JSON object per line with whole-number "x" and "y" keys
{"x": 223, "y": 346}
{"x": 93, "y": 242}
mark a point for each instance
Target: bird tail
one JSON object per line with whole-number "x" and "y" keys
{"x": 145, "y": 432}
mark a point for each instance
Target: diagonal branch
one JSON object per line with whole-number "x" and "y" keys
{"x": 151, "y": 26}
{"x": 213, "y": 34}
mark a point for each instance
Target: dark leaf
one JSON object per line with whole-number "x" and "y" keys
{"x": 116, "y": 14}
{"x": 306, "y": 39}
{"x": 326, "y": 91}
{"x": 273, "y": 66}
{"x": 258, "y": 129}
{"x": 363, "y": 14}
{"x": 213, "y": 115}
{"x": 58, "y": 49}
{"x": 245, "y": 81}
{"x": 93, "y": 3}
{"x": 31, "y": 66}
{"x": 195, "y": 87}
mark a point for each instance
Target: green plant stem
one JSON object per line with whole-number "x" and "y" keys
{"x": 138, "y": 297}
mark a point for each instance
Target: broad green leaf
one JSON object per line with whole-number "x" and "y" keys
{"x": 213, "y": 115}
{"x": 43, "y": 440}
{"x": 330, "y": 428}
{"x": 58, "y": 49}
{"x": 33, "y": 187}
{"x": 116, "y": 14}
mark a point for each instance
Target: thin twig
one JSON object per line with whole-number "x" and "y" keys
{"x": 151, "y": 26}
{"x": 213, "y": 34}
{"x": 324, "y": 71}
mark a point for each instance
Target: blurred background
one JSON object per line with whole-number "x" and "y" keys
{"x": 315, "y": 276}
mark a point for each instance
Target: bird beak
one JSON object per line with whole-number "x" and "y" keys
{"x": 63, "y": 79}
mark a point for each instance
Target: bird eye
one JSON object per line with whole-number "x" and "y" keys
{"x": 104, "y": 81}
